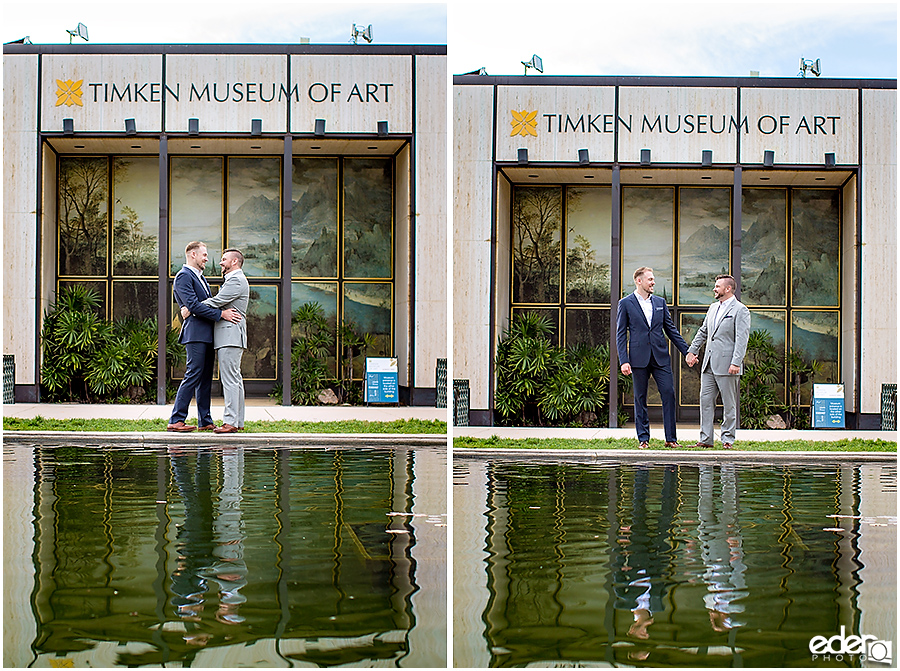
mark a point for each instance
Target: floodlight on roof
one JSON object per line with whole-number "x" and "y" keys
{"x": 365, "y": 34}
{"x": 80, "y": 31}
{"x": 535, "y": 63}
{"x": 807, "y": 65}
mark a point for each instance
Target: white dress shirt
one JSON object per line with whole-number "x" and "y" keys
{"x": 647, "y": 306}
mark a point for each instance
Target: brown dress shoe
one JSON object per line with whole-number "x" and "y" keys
{"x": 727, "y": 446}
{"x": 225, "y": 428}
{"x": 208, "y": 427}
{"x": 180, "y": 426}
{"x": 644, "y": 445}
{"x": 698, "y": 444}
{"x": 673, "y": 445}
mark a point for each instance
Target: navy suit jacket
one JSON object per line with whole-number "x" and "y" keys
{"x": 645, "y": 339}
{"x": 189, "y": 290}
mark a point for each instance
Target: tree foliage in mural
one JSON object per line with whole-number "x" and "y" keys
{"x": 83, "y": 190}
{"x": 133, "y": 252}
{"x": 537, "y": 219}
{"x": 368, "y": 218}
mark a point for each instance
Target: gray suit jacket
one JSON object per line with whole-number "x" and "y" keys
{"x": 726, "y": 344}
{"x": 235, "y": 293}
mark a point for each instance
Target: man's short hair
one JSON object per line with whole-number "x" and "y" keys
{"x": 729, "y": 280}
{"x": 640, "y": 271}
{"x": 191, "y": 246}
{"x": 236, "y": 252}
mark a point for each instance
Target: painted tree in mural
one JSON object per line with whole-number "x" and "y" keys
{"x": 586, "y": 280}
{"x": 536, "y": 240}
{"x": 82, "y": 217}
{"x": 133, "y": 252}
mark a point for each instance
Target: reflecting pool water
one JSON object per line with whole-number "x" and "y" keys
{"x": 678, "y": 564}
{"x": 223, "y": 557}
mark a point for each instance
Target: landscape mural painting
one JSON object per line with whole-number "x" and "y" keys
{"x": 260, "y": 359}
{"x": 368, "y": 218}
{"x": 704, "y": 242}
{"x": 763, "y": 246}
{"x": 82, "y": 216}
{"x": 314, "y": 211}
{"x": 689, "y": 376}
{"x": 195, "y": 208}
{"x": 134, "y": 299}
{"x": 589, "y": 326}
{"x": 254, "y": 214}
{"x": 136, "y": 218}
{"x": 588, "y": 245}
{"x": 325, "y": 294}
{"x": 367, "y": 307}
{"x": 647, "y": 237}
{"x": 536, "y": 230}
{"x": 814, "y": 334}
{"x": 815, "y": 245}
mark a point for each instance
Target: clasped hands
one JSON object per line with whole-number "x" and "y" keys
{"x": 230, "y": 315}
{"x": 690, "y": 359}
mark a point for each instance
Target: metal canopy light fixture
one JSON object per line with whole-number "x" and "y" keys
{"x": 366, "y": 34}
{"x": 80, "y": 31}
{"x": 535, "y": 63}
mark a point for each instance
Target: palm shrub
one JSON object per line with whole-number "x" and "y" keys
{"x": 309, "y": 349}
{"x": 802, "y": 372}
{"x": 538, "y": 381}
{"x": 87, "y": 358}
{"x": 313, "y": 341}
{"x": 763, "y": 366}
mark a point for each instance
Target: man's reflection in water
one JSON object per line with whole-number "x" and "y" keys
{"x": 193, "y": 539}
{"x": 721, "y": 548}
{"x": 643, "y": 554}
{"x": 230, "y": 569}
{"x": 209, "y": 543}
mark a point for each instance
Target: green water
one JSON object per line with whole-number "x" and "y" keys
{"x": 224, "y": 557}
{"x": 684, "y": 565}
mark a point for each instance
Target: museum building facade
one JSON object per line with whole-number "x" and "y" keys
{"x": 324, "y": 164}
{"x": 565, "y": 185}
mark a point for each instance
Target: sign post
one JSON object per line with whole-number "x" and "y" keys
{"x": 828, "y": 406}
{"x": 381, "y": 380}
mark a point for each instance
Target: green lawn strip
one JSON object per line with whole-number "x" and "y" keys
{"x": 410, "y": 426}
{"x": 846, "y": 445}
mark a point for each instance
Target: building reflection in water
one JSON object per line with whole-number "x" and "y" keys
{"x": 685, "y": 564}
{"x": 252, "y": 557}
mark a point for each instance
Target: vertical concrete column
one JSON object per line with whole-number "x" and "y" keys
{"x": 162, "y": 321}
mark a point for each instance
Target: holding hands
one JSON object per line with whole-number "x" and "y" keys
{"x": 691, "y": 359}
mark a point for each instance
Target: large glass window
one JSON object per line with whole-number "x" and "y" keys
{"x": 342, "y": 251}
{"x": 573, "y": 295}
{"x": 684, "y": 234}
{"x": 342, "y": 248}
{"x": 107, "y": 228}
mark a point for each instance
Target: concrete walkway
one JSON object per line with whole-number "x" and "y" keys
{"x": 257, "y": 409}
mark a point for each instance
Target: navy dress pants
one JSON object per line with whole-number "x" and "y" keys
{"x": 666, "y": 386}
{"x": 197, "y": 380}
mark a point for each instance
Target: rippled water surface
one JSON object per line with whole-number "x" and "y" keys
{"x": 224, "y": 557}
{"x": 691, "y": 565}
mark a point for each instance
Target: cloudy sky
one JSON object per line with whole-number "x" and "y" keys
{"x": 678, "y": 39}
{"x": 573, "y": 38}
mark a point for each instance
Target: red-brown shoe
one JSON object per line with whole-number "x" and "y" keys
{"x": 644, "y": 445}
{"x": 727, "y": 446}
{"x": 673, "y": 445}
{"x": 698, "y": 444}
{"x": 226, "y": 428}
{"x": 208, "y": 427}
{"x": 180, "y": 426}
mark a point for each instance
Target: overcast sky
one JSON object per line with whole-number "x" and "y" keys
{"x": 572, "y": 38}
{"x": 676, "y": 39}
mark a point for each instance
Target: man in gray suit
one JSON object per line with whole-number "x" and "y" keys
{"x": 726, "y": 330}
{"x": 230, "y": 341}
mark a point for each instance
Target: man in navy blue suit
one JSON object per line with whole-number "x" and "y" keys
{"x": 646, "y": 318}
{"x": 197, "y": 337}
